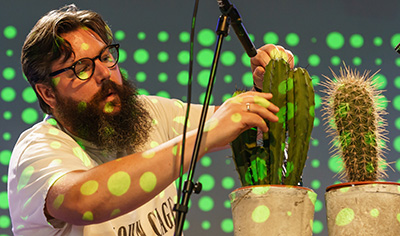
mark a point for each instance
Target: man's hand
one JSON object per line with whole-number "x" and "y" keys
{"x": 264, "y": 55}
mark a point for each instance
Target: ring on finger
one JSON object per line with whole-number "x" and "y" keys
{"x": 248, "y": 107}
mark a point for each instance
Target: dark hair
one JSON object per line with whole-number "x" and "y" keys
{"x": 44, "y": 43}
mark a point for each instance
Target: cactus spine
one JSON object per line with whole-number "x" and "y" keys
{"x": 354, "y": 115}
{"x": 281, "y": 157}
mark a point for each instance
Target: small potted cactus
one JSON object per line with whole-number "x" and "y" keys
{"x": 270, "y": 165}
{"x": 363, "y": 204}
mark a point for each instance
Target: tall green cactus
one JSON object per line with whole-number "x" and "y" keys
{"x": 284, "y": 147}
{"x": 354, "y": 113}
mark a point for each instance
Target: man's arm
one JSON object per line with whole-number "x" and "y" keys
{"x": 120, "y": 186}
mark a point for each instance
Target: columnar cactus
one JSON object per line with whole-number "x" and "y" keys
{"x": 281, "y": 157}
{"x": 354, "y": 114}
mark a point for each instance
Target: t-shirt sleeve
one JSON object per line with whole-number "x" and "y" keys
{"x": 41, "y": 156}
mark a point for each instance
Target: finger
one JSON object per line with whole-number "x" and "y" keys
{"x": 258, "y": 76}
{"x": 261, "y": 101}
{"x": 264, "y": 113}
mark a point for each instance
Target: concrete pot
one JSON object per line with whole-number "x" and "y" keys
{"x": 273, "y": 210}
{"x": 363, "y": 208}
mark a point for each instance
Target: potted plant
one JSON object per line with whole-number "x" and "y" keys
{"x": 270, "y": 201}
{"x": 363, "y": 205}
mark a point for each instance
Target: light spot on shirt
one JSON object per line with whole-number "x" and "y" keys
{"x": 25, "y": 177}
{"x": 148, "y": 154}
{"x": 54, "y": 131}
{"x": 78, "y": 152}
{"x": 55, "y": 145}
{"x": 154, "y": 144}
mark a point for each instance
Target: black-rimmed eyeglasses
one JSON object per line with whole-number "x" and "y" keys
{"x": 84, "y": 67}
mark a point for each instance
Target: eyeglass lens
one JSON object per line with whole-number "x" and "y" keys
{"x": 84, "y": 67}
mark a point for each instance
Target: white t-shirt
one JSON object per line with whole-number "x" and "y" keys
{"x": 44, "y": 153}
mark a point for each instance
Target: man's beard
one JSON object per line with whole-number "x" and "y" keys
{"x": 126, "y": 130}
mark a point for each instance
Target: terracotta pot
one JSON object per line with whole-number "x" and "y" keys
{"x": 273, "y": 210}
{"x": 363, "y": 208}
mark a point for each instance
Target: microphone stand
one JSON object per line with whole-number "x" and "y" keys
{"x": 190, "y": 187}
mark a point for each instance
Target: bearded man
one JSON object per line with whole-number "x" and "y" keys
{"x": 104, "y": 159}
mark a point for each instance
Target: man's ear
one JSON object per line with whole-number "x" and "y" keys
{"x": 47, "y": 94}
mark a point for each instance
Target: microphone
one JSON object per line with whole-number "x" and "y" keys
{"x": 228, "y": 9}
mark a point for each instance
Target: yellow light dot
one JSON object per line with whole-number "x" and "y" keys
{"x": 210, "y": 124}
{"x": 55, "y": 145}
{"x": 260, "y": 190}
{"x": 55, "y": 162}
{"x": 236, "y": 117}
{"x": 175, "y": 150}
{"x": 148, "y": 154}
{"x": 119, "y": 183}
{"x": 58, "y": 201}
{"x": 84, "y": 46}
{"x": 344, "y": 217}
{"x": 162, "y": 194}
{"x": 148, "y": 181}
{"x": 155, "y": 122}
{"x": 345, "y": 189}
{"x": 25, "y": 177}
{"x": 374, "y": 212}
{"x": 179, "y": 104}
{"x": 78, "y": 152}
{"x": 53, "y": 178}
{"x": 154, "y": 100}
{"x": 115, "y": 212}
{"x": 289, "y": 213}
{"x": 398, "y": 217}
{"x": 55, "y": 81}
{"x": 260, "y": 214}
{"x": 88, "y": 216}
{"x": 89, "y": 187}
{"x": 153, "y": 144}
{"x": 261, "y": 101}
{"x": 181, "y": 120}
{"x": 312, "y": 196}
{"x": 108, "y": 108}
{"x": 54, "y": 131}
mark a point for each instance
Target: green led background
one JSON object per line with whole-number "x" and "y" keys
{"x": 154, "y": 38}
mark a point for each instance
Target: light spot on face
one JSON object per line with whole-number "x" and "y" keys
{"x": 119, "y": 183}
{"x": 236, "y": 117}
{"x": 85, "y": 46}
{"x": 108, "y": 108}
{"x": 398, "y": 217}
{"x": 58, "y": 201}
{"x": 55, "y": 145}
{"x": 89, "y": 187}
{"x": 87, "y": 216}
{"x": 210, "y": 124}
{"x": 54, "y": 131}
{"x": 148, "y": 154}
{"x": 344, "y": 217}
{"x": 374, "y": 212}
{"x": 82, "y": 106}
{"x": 260, "y": 214}
{"x": 78, "y": 152}
{"x": 115, "y": 212}
{"x": 25, "y": 177}
{"x": 289, "y": 213}
{"x": 154, "y": 144}
{"x": 55, "y": 81}
{"x": 148, "y": 181}
{"x": 261, "y": 101}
